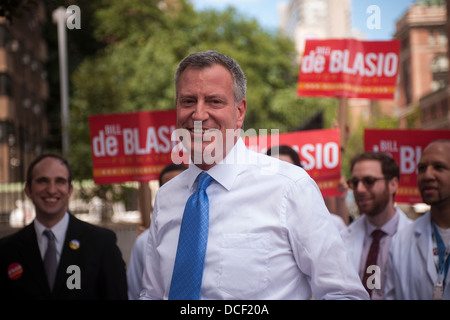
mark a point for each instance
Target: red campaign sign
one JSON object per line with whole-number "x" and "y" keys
{"x": 319, "y": 151}
{"x": 349, "y": 68}
{"x": 405, "y": 147}
{"x": 131, "y": 146}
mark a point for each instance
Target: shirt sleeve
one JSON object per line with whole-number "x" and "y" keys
{"x": 317, "y": 245}
{"x": 152, "y": 288}
{"x": 136, "y": 267}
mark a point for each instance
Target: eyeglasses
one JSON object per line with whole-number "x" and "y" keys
{"x": 368, "y": 182}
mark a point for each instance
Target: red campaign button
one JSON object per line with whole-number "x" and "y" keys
{"x": 15, "y": 271}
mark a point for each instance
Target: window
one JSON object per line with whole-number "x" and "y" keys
{"x": 5, "y": 84}
{"x": 3, "y": 134}
{"x": 6, "y": 131}
{"x": 4, "y": 35}
{"x": 442, "y": 37}
{"x": 439, "y": 64}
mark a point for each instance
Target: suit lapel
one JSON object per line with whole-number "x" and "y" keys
{"x": 29, "y": 251}
{"x": 69, "y": 254}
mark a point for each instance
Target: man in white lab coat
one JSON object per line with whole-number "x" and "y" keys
{"x": 418, "y": 258}
{"x": 374, "y": 182}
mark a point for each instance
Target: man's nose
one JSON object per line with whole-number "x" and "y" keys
{"x": 200, "y": 112}
{"x": 428, "y": 173}
{"x": 51, "y": 186}
{"x": 360, "y": 187}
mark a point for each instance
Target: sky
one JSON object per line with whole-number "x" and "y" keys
{"x": 266, "y": 12}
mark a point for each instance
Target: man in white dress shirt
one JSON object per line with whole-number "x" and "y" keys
{"x": 374, "y": 181}
{"x": 136, "y": 266}
{"x": 270, "y": 234}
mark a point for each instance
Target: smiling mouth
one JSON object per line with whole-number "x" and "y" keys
{"x": 428, "y": 190}
{"x": 196, "y": 130}
{"x": 51, "y": 200}
{"x": 363, "y": 201}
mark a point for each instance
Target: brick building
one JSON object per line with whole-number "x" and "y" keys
{"x": 422, "y": 99}
{"x": 436, "y": 105}
{"x": 23, "y": 92}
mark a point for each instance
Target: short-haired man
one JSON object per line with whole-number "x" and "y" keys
{"x": 245, "y": 225}
{"x": 58, "y": 256}
{"x": 419, "y": 260}
{"x": 374, "y": 181}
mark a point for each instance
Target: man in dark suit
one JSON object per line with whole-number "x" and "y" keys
{"x": 87, "y": 262}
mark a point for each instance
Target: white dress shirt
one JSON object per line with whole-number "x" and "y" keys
{"x": 390, "y": 228}
{"x": 136, "y": 266}
{"x": 270, "y": 234}
{"x": 59, "y": 230}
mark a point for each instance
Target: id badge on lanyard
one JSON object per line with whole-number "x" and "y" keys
{"x": 441, "y": 265}
{"x": 438, "y": 288}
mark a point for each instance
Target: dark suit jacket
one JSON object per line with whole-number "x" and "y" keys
{"x": 101, "y": 267}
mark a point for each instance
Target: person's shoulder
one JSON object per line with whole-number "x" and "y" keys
{"x": 141, "y": 239}
{"x": 16, "y": 236}
{"x": 7, "y": 240}
{"x": 175, "y": 182}
{"x": 269, "y": 165}
{"x": 15, "y": 242}
{"x": 354, "y": 229}
{"x": 91, "y": 229}
{"x": 408, "y": 233}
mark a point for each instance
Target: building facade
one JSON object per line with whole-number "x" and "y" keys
{"x": 423, "y": 67}
{"x": 301, "y": 20}
{"x": 315, "y": 19}
{"x": 435, "y": 106}
{"x": 23, "y": 92}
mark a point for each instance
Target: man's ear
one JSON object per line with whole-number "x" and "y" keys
{"x": 27, "y": 190}
{"x": 241, "y": 107}
{"x": 393, "y": 185}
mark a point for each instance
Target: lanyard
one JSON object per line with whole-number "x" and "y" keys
{"x": 444, "y": 260}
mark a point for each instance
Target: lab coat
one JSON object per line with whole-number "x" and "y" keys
{"x": 353, "y": 236}
{"x": 411, "y": 271}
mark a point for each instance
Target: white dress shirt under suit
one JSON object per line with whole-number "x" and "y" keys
{"x": 270, "y": 234}
{"x": 59, "y": 231}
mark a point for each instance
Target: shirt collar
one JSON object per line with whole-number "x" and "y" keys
{"x": 59, "y": 229}
{"x": 224, "y": 172}
{"x": 389, "y": 227}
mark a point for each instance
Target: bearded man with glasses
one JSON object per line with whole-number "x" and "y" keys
{"x": 374, "y": 181}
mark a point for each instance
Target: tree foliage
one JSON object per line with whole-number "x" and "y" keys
{"x": 144, "y": 44}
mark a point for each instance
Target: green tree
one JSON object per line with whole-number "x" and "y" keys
{"x": 145, "y": 43}
{"x": 355, "y": 142}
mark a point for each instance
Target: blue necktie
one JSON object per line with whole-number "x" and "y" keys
{"x": 190, "y": 259}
